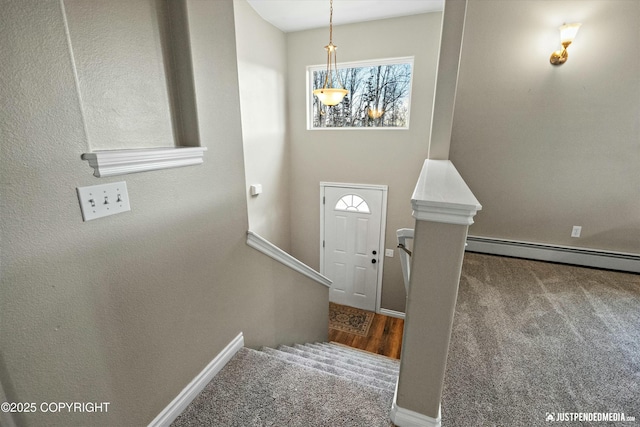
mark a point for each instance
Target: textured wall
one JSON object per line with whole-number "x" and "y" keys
{"x": 262, "y": 72}
{"x": 118, "y": 52}
{"x": 391, "y": 157}
{"x": 542, "y": 147}
{"x": 126, "y": 309}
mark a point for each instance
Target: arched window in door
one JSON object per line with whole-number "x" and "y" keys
{"x": 352, "y": 203}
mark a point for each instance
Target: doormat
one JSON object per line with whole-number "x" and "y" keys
{"x": 350, "y": 319}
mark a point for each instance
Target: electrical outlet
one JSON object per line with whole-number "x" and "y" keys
{"x": 388, "y": 253}
{"x": 576, "y": 230}
{"x": 102, "y": 200}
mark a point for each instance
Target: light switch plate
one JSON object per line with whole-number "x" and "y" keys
{"x": 97, "y": 201}
{"x": 388, "y": 253}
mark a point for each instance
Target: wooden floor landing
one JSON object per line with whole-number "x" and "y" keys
{"x": 385, "y": 337}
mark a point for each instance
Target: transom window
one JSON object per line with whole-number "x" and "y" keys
{"x": 379, "y": 95}
{"x": 352, "y": 203}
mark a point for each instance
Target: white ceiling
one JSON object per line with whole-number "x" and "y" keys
{"x": 296, "y": 15}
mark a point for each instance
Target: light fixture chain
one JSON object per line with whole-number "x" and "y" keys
{"x": 335, "y": 58}
{"x": 331, "y": 22}
{"x": 329, "y": 95}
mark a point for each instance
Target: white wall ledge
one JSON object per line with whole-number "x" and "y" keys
{"x": 263, "y": 245}
{"x": 121, "y": 162}
{"x": 441, "y": 195}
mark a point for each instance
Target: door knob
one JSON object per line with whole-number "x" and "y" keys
{"x": 373, "y": 261}
{"x": 375, "y": 252}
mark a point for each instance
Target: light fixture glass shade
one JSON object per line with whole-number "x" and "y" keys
{"x": 330, "y": 96}
{"x": 375, "y": 113}
{"x": 568, "y": 32}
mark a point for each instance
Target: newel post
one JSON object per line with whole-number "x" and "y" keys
{"x": 443, "y": 207}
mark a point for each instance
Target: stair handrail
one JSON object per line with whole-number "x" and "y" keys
{"x": 405, "y": 254}
{"x": 266, "y": 247}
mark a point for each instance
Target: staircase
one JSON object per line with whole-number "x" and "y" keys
{"x": 322, "y": 384}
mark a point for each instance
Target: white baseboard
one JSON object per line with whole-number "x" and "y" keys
{"x": 563, "y": 254}
{"x": 177, "y": 405}
{"x": 392, "y": 313}
{"x": 406, "y": 418}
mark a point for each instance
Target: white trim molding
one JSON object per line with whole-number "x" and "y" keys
{"x": 177, "y": 405}
{"x": 121, "y": 162}
{"x": 391, "y": 313}
{"x": 263, "y": 245}
{"x": 554, "y": 253}
{"x": 402, "y": 417}
{"x": 441, "y": 195}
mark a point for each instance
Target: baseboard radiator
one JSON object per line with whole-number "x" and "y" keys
{"x": 562, "y": 254}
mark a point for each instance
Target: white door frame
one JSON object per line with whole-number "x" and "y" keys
{"x": 383, "y": 226}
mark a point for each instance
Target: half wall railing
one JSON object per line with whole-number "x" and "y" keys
{"x": 444, "y": 207}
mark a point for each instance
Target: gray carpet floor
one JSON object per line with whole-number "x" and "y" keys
{"x": 532, "y": 339}
{"x": 315, "y": 385}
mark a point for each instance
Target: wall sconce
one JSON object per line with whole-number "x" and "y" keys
{"x": 567, "y": 35}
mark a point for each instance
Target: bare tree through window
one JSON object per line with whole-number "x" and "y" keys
{"x": 379, "y": 95}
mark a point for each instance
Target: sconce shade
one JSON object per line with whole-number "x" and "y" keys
{"x": 330, "y": 96}
{"x": 568, "y": 32}
{"x": 567, "y": 35}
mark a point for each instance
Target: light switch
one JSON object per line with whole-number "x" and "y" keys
{"x": 388, "y": 253}
{"x": 102, "y": 200}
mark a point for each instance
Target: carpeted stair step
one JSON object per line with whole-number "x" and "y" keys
{"x": 348, "y": 360}
{"x": 375, "y": 359}
{"x": 371, "y": 358}
{"x": 360, "y": 369}
{"x": 365, "y": 380}
{"x": 257, "y": 389}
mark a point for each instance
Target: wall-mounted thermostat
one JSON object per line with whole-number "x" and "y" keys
{"x": 255, "y": 189}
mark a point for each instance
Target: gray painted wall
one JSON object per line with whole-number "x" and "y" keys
{"x": 126, "y": 309}
{"x": 262, "y": 74}
{"x": 542, "y": 147}
{"x": 109, "y": 39}
{"x": 391, "y": 157}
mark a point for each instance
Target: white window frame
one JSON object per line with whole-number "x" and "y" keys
{"x": 356, "y": 208}
{"x": 357, "y": 64}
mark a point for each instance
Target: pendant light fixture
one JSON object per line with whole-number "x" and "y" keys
{"x": 329, "y": 95}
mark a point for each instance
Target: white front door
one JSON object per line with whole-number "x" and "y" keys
{"x": 352, "y": 243}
